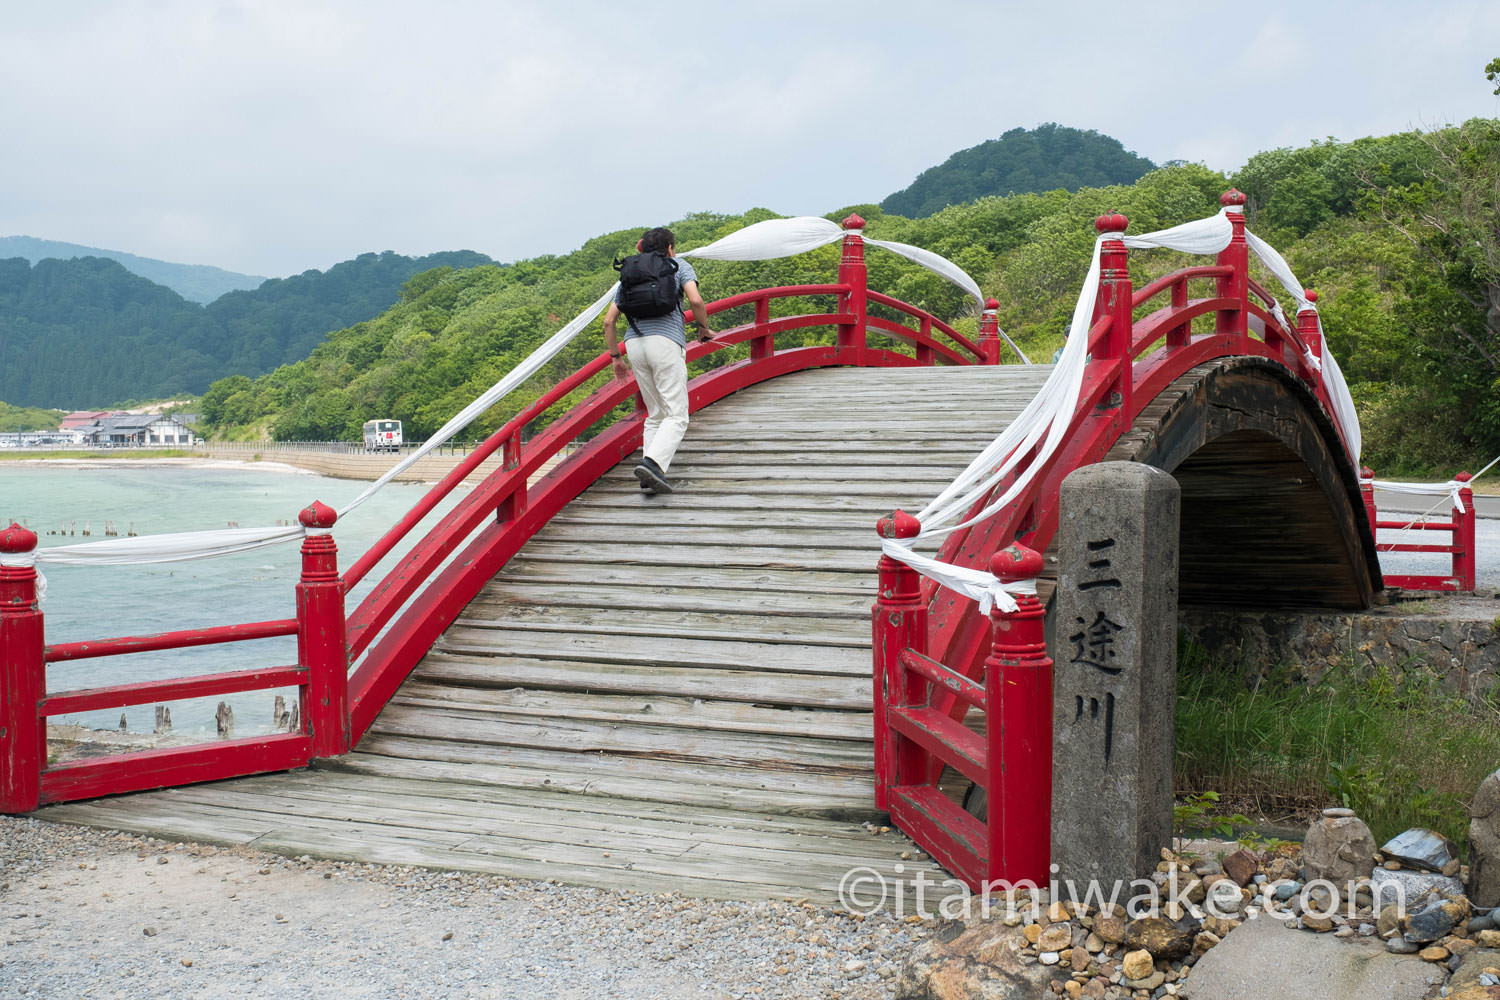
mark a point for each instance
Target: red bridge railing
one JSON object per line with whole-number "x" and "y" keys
{"x": 936, "y": 659}
{"x": 1460, "y": 546}
{"x": 396, "y": 623}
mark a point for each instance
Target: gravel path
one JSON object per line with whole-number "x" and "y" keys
{"x": 88, "y": 913}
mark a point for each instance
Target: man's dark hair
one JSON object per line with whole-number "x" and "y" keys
{"x": 657, "y": 239}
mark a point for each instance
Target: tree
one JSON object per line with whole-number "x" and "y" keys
{"x": 1492, "y": 74}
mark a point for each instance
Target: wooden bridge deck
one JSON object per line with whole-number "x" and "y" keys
{"x": 657, "y": 693}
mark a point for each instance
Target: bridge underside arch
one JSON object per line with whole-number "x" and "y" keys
{"x": 1271, "y": 510}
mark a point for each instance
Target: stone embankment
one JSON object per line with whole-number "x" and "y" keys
{"x": 347, "y": 464}
{"x": 1453, "y": 637}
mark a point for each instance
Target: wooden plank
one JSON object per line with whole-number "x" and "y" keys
{"x": 529, "y": 569}
{"x": 727, "y": 716}
{"x": 845, "y": 631}
{"x": 511, "y": 590}
{"x": 758, "y": 557}
{"x": 667, "y": 652}
{"x": 641, "y": 740}
{"x": 755, "y": 686}
{"x": 843, "y": 795}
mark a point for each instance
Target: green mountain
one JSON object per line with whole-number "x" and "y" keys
{"x": 1398, "y": 234}
{"x": 1045, "y": 158}
{"x": 87, "y": 332}
{"x": 194, "y": 282}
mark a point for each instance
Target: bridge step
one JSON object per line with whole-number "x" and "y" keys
{"x": 657, "y": 692}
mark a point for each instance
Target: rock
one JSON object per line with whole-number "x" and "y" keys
{"x": 1488, "y": 939}
{"x": 1241, "y": 866}
{"x": 1137, "y": 964}
{"x": 1314, "y": 922}
{"x": 1078, "y": 958}
{"x": 1220, "y": 925}
{"x": 1111, "y": 926}
{"x": 1474, "y": 976}
{"x": 1484, "y": 843}
{"x": 1410, "y": 889}
{"x": 1401, "y": 946}
{"x": 946, "y": 966}
{"x": 1093, "y": 943}
{"x": 1224, "y": 898}
{"x": 1286, "y": 890}
{"x": 1049, "y": 958}
{"x": 1055, "y": 937}
{"x": 1281, "y": 868}
{"x": 1162, "y": 938}
{"x": 1204, "y": 941}
{"x": 1262, "y": 960}
{"x": 1151, "y": 982}
{"x": 1428, "y": 925}
{"x": 1433, "y": 953}
{"x": 1338, "y": 848}
{"x": 1033, "y": 933}
{"x": 1423, "y": 849}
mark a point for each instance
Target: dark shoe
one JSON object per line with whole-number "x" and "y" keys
{"x": 651, "y": 477}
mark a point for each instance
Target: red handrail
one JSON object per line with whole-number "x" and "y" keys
{"x": 336, "y": 706}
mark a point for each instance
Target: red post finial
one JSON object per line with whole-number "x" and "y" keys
{"x": 1309, "y": 295}
{"x": 1365, "y": 472}
{"x": 1463, "y": 477}
{"x": 1114, "y": 222}
{"x": 1233, "y": 199}
{"x": 318, "y": 515}
{"x": 992, "y": 303}
{"x": 899, "y": 524}
{"x": 853, "y": 221}
{"x": 1016, "y": 562}
{"x": 16, "y": 539}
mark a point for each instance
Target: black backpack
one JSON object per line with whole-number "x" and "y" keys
{"x": 648, "y": 286}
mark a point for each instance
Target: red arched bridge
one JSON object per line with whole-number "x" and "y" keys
{"x": 567, "y": 679}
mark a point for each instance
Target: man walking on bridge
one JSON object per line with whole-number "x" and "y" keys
{"x": 658, "y": 348}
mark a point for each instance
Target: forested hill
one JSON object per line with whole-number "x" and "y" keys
{"x": 1046, "y": 158}
{"x": 85, "y": 332}
{"x": 194, "y": 282}
{"x": 1398, "y": 235}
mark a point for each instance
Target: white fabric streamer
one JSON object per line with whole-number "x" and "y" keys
{"x": 1449, "y": 489}
{"x": 766, "y": 240}
{"x": 1046, "y": 418}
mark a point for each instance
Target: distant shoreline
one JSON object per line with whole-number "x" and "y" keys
{"x": 358, "y": 465}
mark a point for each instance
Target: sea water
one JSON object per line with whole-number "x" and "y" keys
{"x": 60, "y": 500}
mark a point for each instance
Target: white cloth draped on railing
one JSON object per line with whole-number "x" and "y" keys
{"x": 767, "y": 240}
{"x": 1044, "y": 421}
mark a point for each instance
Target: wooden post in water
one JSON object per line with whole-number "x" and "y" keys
{"x": 321, "y": 645}
{"x": 23, "y": 674}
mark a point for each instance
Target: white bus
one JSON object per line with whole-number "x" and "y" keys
{"x": 382, "y": 435}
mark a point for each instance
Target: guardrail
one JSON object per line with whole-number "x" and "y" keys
{"x": 1460, "y": 545}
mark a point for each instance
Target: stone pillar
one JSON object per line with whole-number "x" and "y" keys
{"x": 1115, "y": 647}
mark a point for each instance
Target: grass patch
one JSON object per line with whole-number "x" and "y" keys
{"x": 1392, "y": 745}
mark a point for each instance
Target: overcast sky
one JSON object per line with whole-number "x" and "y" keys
{"x": 271, "y": 137}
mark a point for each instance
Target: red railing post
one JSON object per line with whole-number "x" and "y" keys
{"x": 1235, "y": 321}
{"x": 989, "y": 332}
{"x": 898, "y": 621}
{"x": 1114, "y": 300}
{"x": 321, "y": 645}
{"x": 23, "y": 675}
{"x": 853, "y": 273}
{"x": 1464, "y": 563}
{"x": 1312, "y": 335}
{"x": 764, "y": 345}
{"x": 1018, "y": 694}
{"x": 1182, "y": 334}
{"x": 1367, "y": 494}
{"x": 513, "y": 504}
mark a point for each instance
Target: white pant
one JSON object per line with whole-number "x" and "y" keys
{"x": 661, "y": 372}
